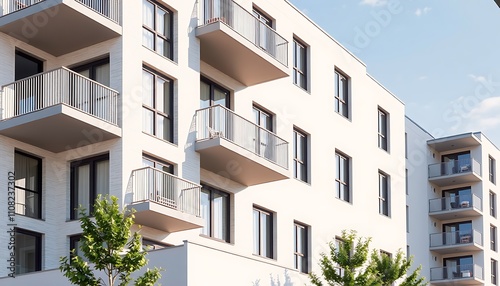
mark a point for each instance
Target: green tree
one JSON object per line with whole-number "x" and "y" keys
{"x": 349, "y": 265}
{"x": 108, "y": 245}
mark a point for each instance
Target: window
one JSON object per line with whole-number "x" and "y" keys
{"x": 341, "y": 94}
{"x": 97, "y": 70}
{"x": 382, "y": 129}
{"x": 215, "y": 212}
{"x": 157, "y": 103}
{"x": 342, "y": 177}
{"x": 339, "y": 242}
{"x": 157, "y": 24}
{"x": 493, "y": 237}
{"x": 265, "y": 143}
{"x": 383, "y": 194}
{"x": 28, "y": 185}
{"x": 263, "y": 37}
{"x": 458, "y": 267}
{"x": 75, "y": 242}
{"x": 300, "y": 155}
{"x": 407, "y": 219}
{"x": 494, "y": 271}
{"x": 149, "y": 245}
{"x": 28, "y": 251}
{"x": 212, "y": 94}
{"x": 493, "y": 204}
{"x": 456, "y": 163}
{"x": 492, "y": 169}
{"x": 406, "y": 181}
{"x": 263, "y": 233}
{"x": 301, "y": 247}
{"x": 299, "y": 64}
{"x": 89, "y": 178}
{"x": 148, "y": 161}
{"x": 457, "y": 198}
{"x": 457, "y": 233}
{"x": 406, "y": 145}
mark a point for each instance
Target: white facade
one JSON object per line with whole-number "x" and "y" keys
{"x": 225, "y": 152}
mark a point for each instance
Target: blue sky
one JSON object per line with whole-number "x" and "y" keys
{"x": 442, "y": 58}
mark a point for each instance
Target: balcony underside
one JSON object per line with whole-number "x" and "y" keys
{"x": 229, "y": 160}
{"x": 458, "y": 281}
{"x": 456, "y": 213}
{"x": 454, "y": 142}
{"x": 59, "y": 27}
{"x": 447, "y": 249}
{"x": 161, "y": 217}
{"x": 455, "y": 179}
{"x": 229, "y": 52}
{"x": 59, "y": 128}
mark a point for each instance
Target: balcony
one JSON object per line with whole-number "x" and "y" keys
{"x": 235, "y": 42}
{"x": 455, "y": 207}
{"x": 457, "y": 275}
{"x": 164, "y": 201}
{"x": 61, "y": 26}
{"x": 455, "y": 172}
{"x": 456, "y": 241}
{"x": 238, "y": 149}
{"x": 59, "y": 110}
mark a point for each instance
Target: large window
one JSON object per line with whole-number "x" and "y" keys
{"x": 383, "y": 194}
{"x": 494, "y": 271}
{"x": 301, "y": 247}
{"x": 96, "y": 70}
{"x": 149, "y": 161}
{"x": 28, "y": 184}
{"x": 457, "y": 232}
{"x": 213, "y": 94}
{"x": 157, "y": 105}
{"x": 157, "y": 23}
{"x": 263, "y": 238}
{"x": 493, "y": 237}
{"x": 299, "y": 64}
{"x": 341, "y": 94}
{"x": 300, "y": 164}
{"x": 493, "y": 204}
{"x": 215, "y": 212}
{"x": 458, "y": 267}
{"x": 28, "y": 251}
{"x": 383, "y": 123}
{"x": 492, "y": 169}
{"x": 342, "y": 177}
{"x": 89, "y": 178}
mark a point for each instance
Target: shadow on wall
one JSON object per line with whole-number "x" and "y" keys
{"x": 277, "y": 281}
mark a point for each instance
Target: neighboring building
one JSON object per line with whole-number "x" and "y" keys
{"x": 452, "y": 200}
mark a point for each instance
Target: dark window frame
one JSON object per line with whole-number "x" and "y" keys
{"x": 384, "y": 194}
{"x": 342, "y": 101}
{"x": 383, "y": 129}
{"x": 92, "y": 162}
{"x": 492, "y": 169}
{"x": 301, "y": 252}
{"x": 212, "y": 191}
{"x": 154, "y": 109}
{"x": 39, "y": 184}
{"x": 300, "y": 74}
{"x": 493, "y": 238}
{"x": 157, "y": 163}
{"x": 493, "y": 204}
{"x": 269, "y": 239}
{"x": 38, "y": 247}
{"x": 303, "y": 160}
{"x": 213, "y": 85}
{"x": 91, "y": 66}
{"x": 494, "y": 271}
{"x": 156, "y": 34}
{"x": 346, "y": 181}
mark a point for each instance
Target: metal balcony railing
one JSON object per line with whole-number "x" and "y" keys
{"x": 455, "y": 238}
{"x": 457, "y": 272}
{"x": 247, "y": 25}
{"x": 218, "y": 121}
{"x": 454, "y": 167}
{"x": 59, "y": 86}
{"x": 455, "y": 203}
{"x": 107, "y": 8}
{"x": 154, "y": 185}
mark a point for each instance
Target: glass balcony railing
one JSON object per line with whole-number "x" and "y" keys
{"x": 465, "y": 201}
{"x": 454, "y": 167}
{"x": 457, "y": 272}
{"x": 455, "y": 238}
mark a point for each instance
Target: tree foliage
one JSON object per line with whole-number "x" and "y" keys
{"x": 348, "y": 264}
{"x": 108, "y": 246}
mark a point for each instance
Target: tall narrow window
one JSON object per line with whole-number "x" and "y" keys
{"x": 493, "y": 237}
{"x": 492, "y": 169}
{"x": 383, "y": 194}
{"x": 89, "y": 178}
{"x": 28, "y": 185}
{"x": 215, "y": 212}
{"x": 493, "y": 204}
{"x": 299, "y": 64}
{"x": 157, "y": 23}
{"x": 263, "y": 233}
{"x": 341, "y": 94}
{"x": 382, "y": 129}
{"x": 406, "y": 145}
{"x": 494, "y": 271}
{"x": 300, "y": 164}
{"x": 407, "y": 219}
{"x": 212, "y": 94}
{"x": 28, "y": 251}
{"x": 263, "y": 37}
{"x": 406, "y": 181}
{"x": 265, "y": 142}
{"x": 301, "y": 246}
{"x": 157, "y": 105}
{"x": 342, "y": 177}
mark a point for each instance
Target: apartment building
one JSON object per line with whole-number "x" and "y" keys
{"x": 452, "y": 206}
{"x": 244, "y": 136}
